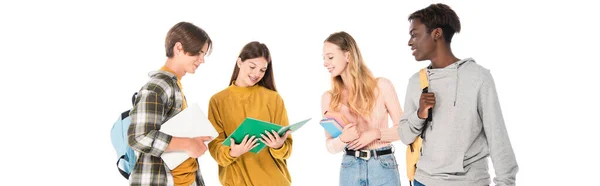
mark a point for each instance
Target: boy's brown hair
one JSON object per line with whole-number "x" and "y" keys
{"x": 191, "y": 37}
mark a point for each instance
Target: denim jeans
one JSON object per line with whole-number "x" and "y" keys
{"x": 376, "y": 171}
{"x": 417, "y": 183}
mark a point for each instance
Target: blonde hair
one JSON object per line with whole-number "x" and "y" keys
{"x": 361, "y": 83}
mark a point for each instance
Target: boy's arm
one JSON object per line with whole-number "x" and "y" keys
{"x": 410, "y": 123}
{"x": 146, "y": 117}
{"x": 502, "y": 155}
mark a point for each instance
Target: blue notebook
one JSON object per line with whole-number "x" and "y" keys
{"x": 331, "y": 126}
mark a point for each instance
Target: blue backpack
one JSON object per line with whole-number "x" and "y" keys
{"x": 118, "y": 134}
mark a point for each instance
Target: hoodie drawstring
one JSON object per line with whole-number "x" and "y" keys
{"x": 456, "y": 89}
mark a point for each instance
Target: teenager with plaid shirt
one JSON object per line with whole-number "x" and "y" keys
{"x": 160, "y": 99}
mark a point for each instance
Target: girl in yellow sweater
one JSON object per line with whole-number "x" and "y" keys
{"x": 251, "y": 93}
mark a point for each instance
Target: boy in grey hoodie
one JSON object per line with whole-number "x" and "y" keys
{"x": 467, "y": 124}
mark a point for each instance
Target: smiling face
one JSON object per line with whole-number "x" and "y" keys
{"x": 334, "y": 59}
{"x": 187, "y": 61}
{"x": 191, "y": 62}
{"x": 251, "y": 71}
{"x": 421, "y": 43}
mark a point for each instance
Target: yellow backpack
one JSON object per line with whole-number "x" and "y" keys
{"x": 413, "y": 151}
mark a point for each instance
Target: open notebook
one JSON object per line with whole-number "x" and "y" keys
{"x": 255, "y": 127}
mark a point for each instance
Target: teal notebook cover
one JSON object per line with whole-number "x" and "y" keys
{"x": 332, "y": 127}
{"x": 255, "y": 127}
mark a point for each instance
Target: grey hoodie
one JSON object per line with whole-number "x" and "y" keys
{"x": 467, "y": 127}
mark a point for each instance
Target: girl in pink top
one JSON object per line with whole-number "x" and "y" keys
{"x": 365, "y": 102}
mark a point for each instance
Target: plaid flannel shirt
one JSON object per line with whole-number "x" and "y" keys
{"x": 159, "y": 100}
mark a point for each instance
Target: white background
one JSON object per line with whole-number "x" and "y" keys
{"x": 69, "y": 69}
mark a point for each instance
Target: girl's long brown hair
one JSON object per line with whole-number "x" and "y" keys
{"x": 253, "y": 50}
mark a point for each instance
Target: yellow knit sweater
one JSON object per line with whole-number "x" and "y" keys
{"x": 227, "y": 109}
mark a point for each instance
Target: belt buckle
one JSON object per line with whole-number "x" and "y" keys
{"x": 358, "y": 154}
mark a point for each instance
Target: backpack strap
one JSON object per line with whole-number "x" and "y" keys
{"x": 123, "y": 173}
{"x": 126, "y": 113}
{"x": 423, "y": 78}
{"x": 425, "y": 89}
{"x": 133, "y": 98}
{"x": 413, "y": 151}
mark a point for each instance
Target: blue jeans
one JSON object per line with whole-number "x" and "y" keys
{"x": 417, "y": 183}
{"x": 376, "y": 171}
